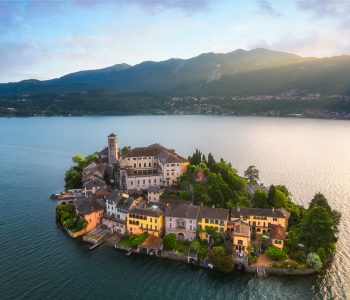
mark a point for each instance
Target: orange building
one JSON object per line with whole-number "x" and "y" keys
{"x": 92, "y": 211}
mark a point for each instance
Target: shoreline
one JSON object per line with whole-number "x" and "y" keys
{"x": 167, "y": 115}
{"x": 252, "y": 269}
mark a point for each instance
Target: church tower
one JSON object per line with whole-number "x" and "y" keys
{"x": 112, "y": 149}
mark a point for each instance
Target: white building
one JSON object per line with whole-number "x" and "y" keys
{"x": 117, "y": 207}
{"x": 154, "y": 193}
{"x": 181, "y": 219}
{"x": 151, "y": 166}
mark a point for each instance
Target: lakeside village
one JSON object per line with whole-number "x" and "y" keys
{"x": 198, "y": 210}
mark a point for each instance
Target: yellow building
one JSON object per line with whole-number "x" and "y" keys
{"x": 240, "y": 235}
{"x": 261, "y": 219}
{"x": 145, "y": 220}
{"x": 216, "y": 218}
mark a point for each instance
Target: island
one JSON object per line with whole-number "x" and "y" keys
{"x": 199, "y": 210}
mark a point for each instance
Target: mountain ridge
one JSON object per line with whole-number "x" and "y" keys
{"x": 239, "y": 72}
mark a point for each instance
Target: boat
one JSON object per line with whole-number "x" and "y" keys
{"x": 54, "y": 196}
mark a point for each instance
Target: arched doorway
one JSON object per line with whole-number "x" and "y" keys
{"x": 180, "y": 236}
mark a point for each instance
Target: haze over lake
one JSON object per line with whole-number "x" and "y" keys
{"x": 38, "y": 260}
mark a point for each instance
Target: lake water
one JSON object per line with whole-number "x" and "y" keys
{"x": 39, "y": 261}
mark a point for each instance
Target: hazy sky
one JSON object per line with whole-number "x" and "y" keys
{"x": 46, "y": 39}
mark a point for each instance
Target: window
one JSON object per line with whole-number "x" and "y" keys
{"x": 155, "y": 227}
{"x": 155, "y": 220}
{"x": 139, "y": 165}
{"x": 144, "y": 181}
{"x": 134, "y": 165}
{"x": 169, "y": 225}
{"x": 150, "y": 219}
{"x": 240, "y": 242}
{"x": 155, "y": 164}
{"x": 206, "y": 220}
{"x": 138, "y": 181}
{"x": 150, "y": 164}
{"x": 155, "y": 180}
{"x": 275, "y": 219}
{"x": 151, "y": 227}
{"x": 222, "y": 223}
{"x": 149, "y": 180}
{"x": 131, "y": 182}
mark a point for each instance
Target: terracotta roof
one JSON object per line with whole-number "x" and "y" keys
{"x": 183, "y": 210}
{"x": 213, "y": 213}
{"x": 278, "y": 232}
{"x": 236, "y": 212}
{"x": 152, "y": 242}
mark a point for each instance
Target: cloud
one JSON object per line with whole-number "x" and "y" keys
{"x": 321, "y": 43}
{"x": 189, "y": 7}
{"x": 266, "y": 7}
{"x": 326, "y": 8}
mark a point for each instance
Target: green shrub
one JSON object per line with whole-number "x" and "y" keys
{"x": 252, "y": 259}
{"x": 169, "y": 241}
{"x": 322, "y": 255}
{"x": 314, "y": 261}
{"x": 299, "y": 256}
{"x": 195, "y": 244}
{"x": 275, "y": 253}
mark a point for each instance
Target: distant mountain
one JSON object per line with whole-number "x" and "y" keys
{"x": 242, "y": 73}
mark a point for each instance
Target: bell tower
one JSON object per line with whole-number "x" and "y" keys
{"x": 112, "y": 149}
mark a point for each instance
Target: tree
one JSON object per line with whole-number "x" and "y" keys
{"x": 169, "y": 241}
{"x": 73, "y": 178}
{"x": 211, "y": 161}
{"x": 294, "y": 236}
{"x": 222, "y": 262}
{"x": 124, "y": 150}
{"x": 260, "y": 198}
{"x": 271, "y": 195}
{"x": 252, "y": 175}
{"x": 78, "y": 159}
{"x": 317, "y": 228}
{"x": 185, "y": 195}
{"x": 320, "y": 200}
{"x": 322, "y": 255}
{"x": 279, "y": 200}
{"x": 314, "y": 261}
{"x": 275, "y": 253}
{"x": 196, "y": 158}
